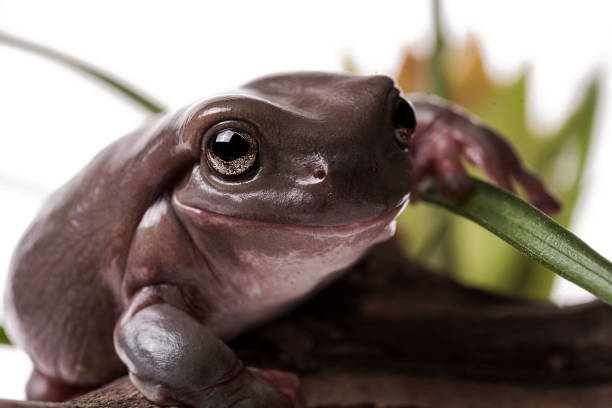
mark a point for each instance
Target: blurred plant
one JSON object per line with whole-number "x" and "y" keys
{"x": 3, "y": 338}
{"x": 452, "y": 243}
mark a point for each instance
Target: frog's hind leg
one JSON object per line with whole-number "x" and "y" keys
{"x": 43, "y": 388}
{"x": 65, "y": 325}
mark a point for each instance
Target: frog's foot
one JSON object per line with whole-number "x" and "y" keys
{"x": 437, "y": 147}
{"x": 287, "y": 383}
{"x": 43, "y": 388}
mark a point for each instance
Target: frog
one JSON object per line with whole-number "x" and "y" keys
{"x": 225, "y": 214}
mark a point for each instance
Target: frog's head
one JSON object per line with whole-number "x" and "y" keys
{"x": 311, "y": 153}
{"x": 311, "y": 149}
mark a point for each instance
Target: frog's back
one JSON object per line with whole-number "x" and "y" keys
{"x": 60, "y": 302}
{"x": 63, "y": 294}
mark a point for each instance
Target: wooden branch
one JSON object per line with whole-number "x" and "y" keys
{"x": 391, "y": 334}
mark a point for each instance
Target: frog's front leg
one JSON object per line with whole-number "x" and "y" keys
{"x": 445, "y": 133}
{"x": 172, "y": 358}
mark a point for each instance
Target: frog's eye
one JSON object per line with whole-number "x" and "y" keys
{"x": 405, "y": 123}
{"x": 231, "y": 152}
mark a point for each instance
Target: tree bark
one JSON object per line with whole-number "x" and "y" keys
{"x": 392, "y": 334}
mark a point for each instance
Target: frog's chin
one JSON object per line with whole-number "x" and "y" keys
{"x": 206, "y": 217}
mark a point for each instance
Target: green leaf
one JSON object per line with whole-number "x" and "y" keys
{"x": 533, "y": 233}
{"x": 3, "y": 338}
{"x": 571, "y": 143}
{"x": 504, "y": 108}
{"x": 505, "y": 270}
{"x": 122, "y": 87}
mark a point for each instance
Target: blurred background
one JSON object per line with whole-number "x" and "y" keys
{"x": 538, "y": 71}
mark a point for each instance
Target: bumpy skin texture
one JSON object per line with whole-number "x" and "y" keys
{"x": 148, "y": 260}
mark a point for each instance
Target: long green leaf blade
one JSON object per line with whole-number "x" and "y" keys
{"x": 3, "y": 338}
{"x": 120, "y": 86}
{"x": 533, "y": 233}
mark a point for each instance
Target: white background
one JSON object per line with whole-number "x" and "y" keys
{"x": 52, "y": 121}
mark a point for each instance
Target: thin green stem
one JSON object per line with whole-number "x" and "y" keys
{"x": 122, "y": 87}
{"x": 439, "y": 84}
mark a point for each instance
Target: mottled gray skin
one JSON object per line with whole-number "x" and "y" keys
{"x": 148, "y": 261}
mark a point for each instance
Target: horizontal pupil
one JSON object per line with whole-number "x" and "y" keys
{"x": 229, "y": 146}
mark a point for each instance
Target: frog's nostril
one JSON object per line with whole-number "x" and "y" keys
{"x": 405, "y": 123}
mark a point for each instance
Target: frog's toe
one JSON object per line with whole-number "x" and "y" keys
{"x": 454, "y": 183}
{"x": 43, "y": 388}
{"x": 536, "y": 191}
{"x": 452, "y": 177}
{"x": 285, "y": 382}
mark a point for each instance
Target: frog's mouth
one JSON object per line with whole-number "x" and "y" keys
{"x": 205, "y": 217}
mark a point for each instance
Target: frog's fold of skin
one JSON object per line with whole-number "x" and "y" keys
{"x": 151, "y": 257}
